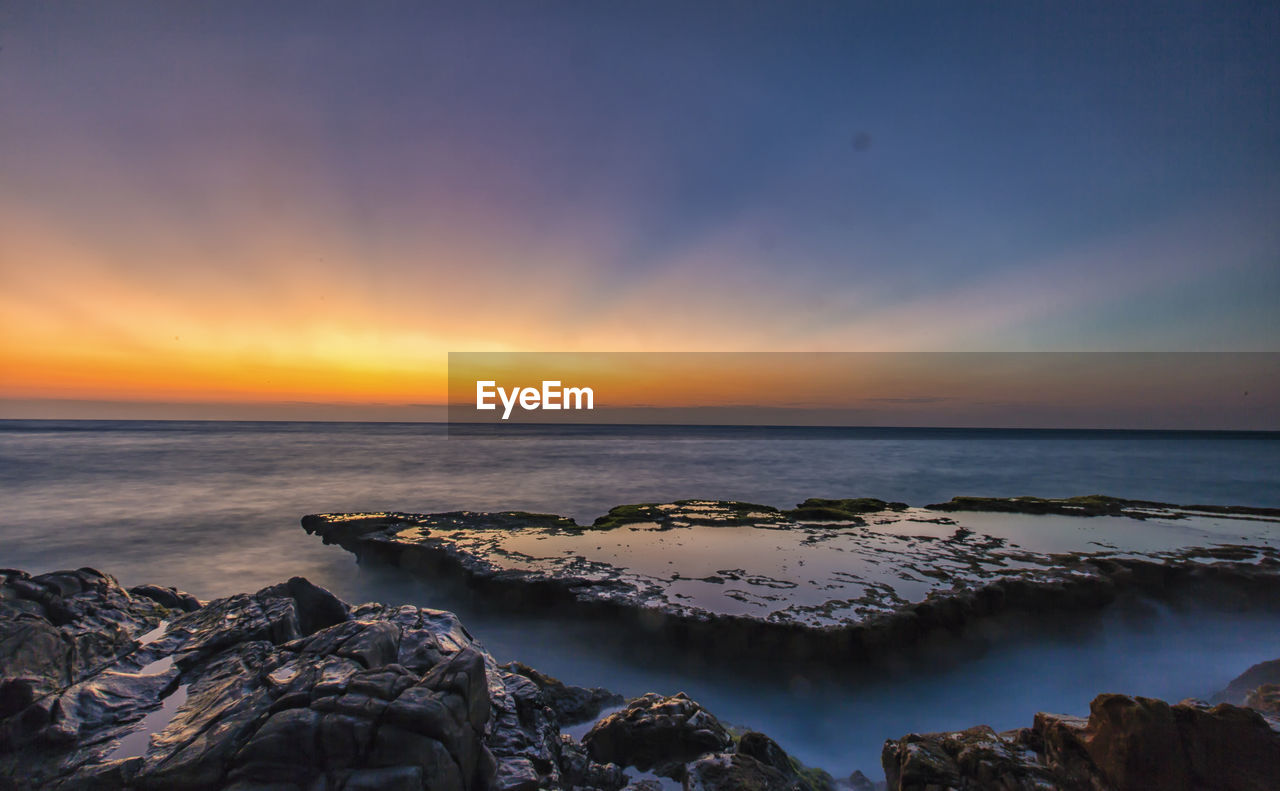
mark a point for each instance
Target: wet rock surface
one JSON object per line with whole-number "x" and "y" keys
{"x": 833, "y": 579}
{"x": 291, "y": 688}
{"x": 657, "y": 732}
{"x": 285, "y": 688}
{"x": 1097, "y": 505}
{"x": 1125, "y": 744}
{"x": 570, "y": 705}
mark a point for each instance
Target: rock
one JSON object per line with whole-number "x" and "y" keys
{"x": 1126, "y": 744}
{"x": 571, "y": 704}
{"x": 977, "y": 758}
{"x": 284, "y": 688}
{"x": 1135, "y": 741}
{"x": 712, "y": 513}
{"x": 823, "y": 619}
{"x": 171, "y": 598}
{"x": 1249, "y": 680}
{"x": 317, "y": 608}
{"x": 1095, "y": 505}
{"x": 735, "y": 772}
{"x": 860, "y": 782}
{"x": 656, "y": 732}
{"x": 579, "y": 770}
{"x": 816, "y": 509}
{"x": 1228, "y": 748}
{"x": 56, "y": 630}
{"x": 1265, "y": 698}
{"x": 1086, "y": 505}
{"x": 767, "y": 752}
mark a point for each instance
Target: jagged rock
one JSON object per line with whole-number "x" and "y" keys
{"x": 1126, "y": 744}
{"x": 977, "y": 758}
{"x": 657, "y": 732}
{"x": 284, "y": 688}
{"x": 769, "y": 753}
{"x": 571, "y": 704}
{"x": 1265, "y": 698}
{"x": 1135, "y": 740}
{"x": 1240, "y": 687}
{"x": 56, "y": 630}
{"x": 860, "y": 782}
{"x": 171, "y": 598}
{"x": 579, "y": 770}
{"x": 1228, "y": 748}
{"x": 735, "y": 772}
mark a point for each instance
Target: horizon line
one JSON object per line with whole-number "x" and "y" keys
{"x": 545, "y": 425}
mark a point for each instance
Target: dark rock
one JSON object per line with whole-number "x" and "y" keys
{"x": 1228, "y": 748}
{"x": 1087, "y": 505}
{"x": 1126, "y": 744}
{"x": 769, "y": 753}
{"x": 656, "y": 732}
{"x": 171, "y": 598}
{"x": 284, "y": 688}
{"x": 816, "y": 509}
{"x": 1249, "y": 680}
{"x": 317, "y": 608}
{"x": 56, "y": 631}
{"x": 977, "y": 758}
{"x": 580, "y": 770}
{"x": 1265, "y": 698}
{"x": 712, "y": 513}
{"x": 860, "y": 782}
{"x": 571, "y": 704}
{"x": 735, "y": 772}
{"x": 765, "y": 750}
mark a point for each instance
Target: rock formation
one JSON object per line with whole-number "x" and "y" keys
{"x": 835, "y": 581}
{"x": 1125, "y": 744}
{"x": 291, "y": 688}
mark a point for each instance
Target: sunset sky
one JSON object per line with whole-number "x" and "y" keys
{"x": 270, "y": 203}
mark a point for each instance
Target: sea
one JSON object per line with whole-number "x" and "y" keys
{"x": 213, "y": 508}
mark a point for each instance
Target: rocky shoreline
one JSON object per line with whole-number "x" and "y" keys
{"x": 291, "y": 688}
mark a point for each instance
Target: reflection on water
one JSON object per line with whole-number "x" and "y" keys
{"x": 214, "y": 509}
{"x": 135, "y": 743}
{"x": 821, "y": 574}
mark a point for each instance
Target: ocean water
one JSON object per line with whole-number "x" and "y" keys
{"x": 213, "y": 508}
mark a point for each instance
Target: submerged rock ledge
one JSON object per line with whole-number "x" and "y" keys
{"x": 880, "y": 576}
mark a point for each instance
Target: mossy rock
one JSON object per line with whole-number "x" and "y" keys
{"x": 1083, "y": 505}
{"x": 620, "y": 515}
{"x": 817, "y": 509}
{"x": 540, "y": 520}
{"x": 723, "y": 513}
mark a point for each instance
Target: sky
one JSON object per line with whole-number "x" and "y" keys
{"x": 292, "y": 206}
